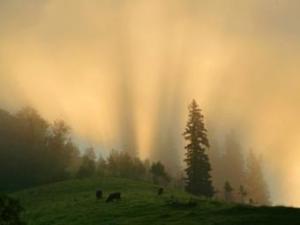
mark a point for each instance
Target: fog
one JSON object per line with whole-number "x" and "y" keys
{"x": 122, "y": 73}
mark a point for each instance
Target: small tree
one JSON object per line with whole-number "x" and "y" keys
{"x": 228, "y": 192}
{"x": 255, "y": 181}
{"x": 158, "y": 173}
{"x": 101, "y": 167}
{"x": 233, "y": 161}
{"x": 243, "y": 193}
{"x": 88, "y": 164}
{"x": 59, "y": 151}
{"x": 113, "y": 163}
{"x": 198, "y": 180}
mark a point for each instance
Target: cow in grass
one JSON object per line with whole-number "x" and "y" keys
{"x": 99, "y": 194}
{"x": 114, "y": 197}
{"x": 160, "y": 191}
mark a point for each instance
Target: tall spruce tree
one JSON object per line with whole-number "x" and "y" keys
{"x": 198, "y": 178}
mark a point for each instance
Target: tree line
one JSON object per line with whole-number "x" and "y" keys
{"x": 121, "y": 164}
{"x": 34, "y": 151}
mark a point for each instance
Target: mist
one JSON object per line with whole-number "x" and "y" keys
{"x": 122, "y": 73}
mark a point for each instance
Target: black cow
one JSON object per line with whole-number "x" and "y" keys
{"x": 114, "y": 196}
{"x": 160, "y": 191}
{"x": 99, "y": 194}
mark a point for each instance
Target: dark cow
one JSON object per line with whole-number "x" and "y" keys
{"x": 114, "y": 196}
{"x": 160, "y": 191}
{"x": 99, "y": 194}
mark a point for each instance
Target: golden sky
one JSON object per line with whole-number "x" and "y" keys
{"x": 121, "y": 73}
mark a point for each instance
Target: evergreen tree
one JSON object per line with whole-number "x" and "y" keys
{"x": 256, "y": 185}
{"x": 198, "y": 180}
{"x": 233, "y": 162}
{"x": 243, "y": 194}
{"x": 228, "y": 190}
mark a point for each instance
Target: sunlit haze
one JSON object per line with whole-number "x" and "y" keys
{"x": 122, "y": 73}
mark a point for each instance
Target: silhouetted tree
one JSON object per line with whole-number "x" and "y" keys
{"x": 242, "y": 193}
{"x": 88, "y": 164}
{"x": 228, "y": 192}
{"x": 10, "y": 153}
{"x": 198, "y": 180}
{"x": 228, "y": 163}
{"x": 158, "y": 172}
{"x": 147, "y": 165}
{"x": 74, "y": 159}
{"x": 123, "y": 164}
{"x": 101, "y": 167}
{"x": 255, "y": 181}
{"x": 234, "y": 165}
{"x": 60, "y": 150}
{"x": 139, "y": 169}
{"x": 215, "y": 155}
{"x": 30, "y": 147}
{"x": 32, "y": 151}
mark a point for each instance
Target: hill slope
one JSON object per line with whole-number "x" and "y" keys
{"x": 74, "y": 203}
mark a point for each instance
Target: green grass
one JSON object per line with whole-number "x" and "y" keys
{"x": 74, "y": 203}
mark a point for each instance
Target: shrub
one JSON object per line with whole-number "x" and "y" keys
{"x": 10, "y": 210}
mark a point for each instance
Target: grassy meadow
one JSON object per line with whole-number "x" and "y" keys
{"x": 74, "y": 203}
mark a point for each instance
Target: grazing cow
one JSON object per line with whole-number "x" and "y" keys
{"x": 160, "y": 191}
{"x": 114, "y": 196}
{"x": 99, "y": 194}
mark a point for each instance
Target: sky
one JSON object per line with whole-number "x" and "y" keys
{"x": 122, "y": 74}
